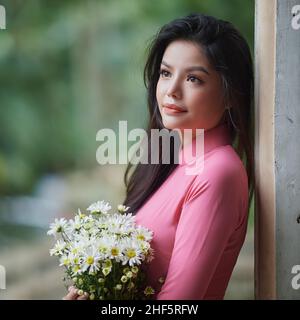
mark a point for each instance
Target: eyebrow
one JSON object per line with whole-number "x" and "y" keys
{"x": 199, "y": 68}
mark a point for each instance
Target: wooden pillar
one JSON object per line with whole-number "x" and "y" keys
{"x": 277, "y": 148}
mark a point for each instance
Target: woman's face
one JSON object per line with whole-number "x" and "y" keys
{"x": 188, "y": 81}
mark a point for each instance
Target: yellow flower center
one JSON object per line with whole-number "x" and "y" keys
{"x": 114, "y": 251}
{"x": 102, "y": 249}
{"x": 131, "y": 253}
{"x": 67, "y": 262}
{"x": 75, "y": 268}
{"x": 141, "y": 237}
{"x": 90, "y": 260}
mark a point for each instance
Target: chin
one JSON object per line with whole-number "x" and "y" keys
{"x": 171, "y": 125}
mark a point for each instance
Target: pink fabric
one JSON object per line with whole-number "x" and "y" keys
{"x": 199, "y": 223}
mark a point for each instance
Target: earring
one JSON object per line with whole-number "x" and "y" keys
{"x": 235, "y": 127}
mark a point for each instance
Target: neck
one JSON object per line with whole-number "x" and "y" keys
{"x": 210, "y": 138}
{"x": 189, "y": 136}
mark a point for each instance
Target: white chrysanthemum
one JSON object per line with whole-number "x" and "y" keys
{"x": 102, "y": 225}
{"x": 65, "y": 261}
{"x": 147, "y": 251}
{"x": 75, "y": 258}
{"x": 132, "y": 253}
{"x": 77, "y": 247}
{"x": 122, "y": 208}
{"x": 90, "y": 228}
{"x": 103, "y": 246}
{"x": 74, "y": 225}
{"x": 85, "y": 234}
{"x": 115, "y": 252}
{"x": 84, "y": 242}
{"x": 150, "y": 255}
{"x": 91, "y": 259}
{"x": 120, "y": 224}
{"x": 99, "y": 207}
{"x": 58, "y": 248}
{"x": 144, "y": 246}
{"x": 76, "y": 270}
{"x": 58, "y": 226}
{"x": 83, "y": 217}
{"x": 88, "y": 225}
{"x": 143, "y": 234}
{"x": 109, "y": 247}
{"x": 93, "y": 243}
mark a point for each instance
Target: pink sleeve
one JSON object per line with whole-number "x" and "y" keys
{"x": 208, "y": 218}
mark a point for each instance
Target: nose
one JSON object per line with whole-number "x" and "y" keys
{"x": 174, "y": 88}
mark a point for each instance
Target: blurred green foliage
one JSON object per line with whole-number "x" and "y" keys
{"x": 70, "y": 68}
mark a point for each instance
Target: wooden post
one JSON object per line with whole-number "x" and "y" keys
{"x": 277, "y": 149}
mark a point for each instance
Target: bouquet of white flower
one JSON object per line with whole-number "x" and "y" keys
{"x": 103, "y": 253}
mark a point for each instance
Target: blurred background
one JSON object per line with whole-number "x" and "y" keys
{"x": 67, "y": 69}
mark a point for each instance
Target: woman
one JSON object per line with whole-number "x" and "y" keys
{"x": 199, "y": 75}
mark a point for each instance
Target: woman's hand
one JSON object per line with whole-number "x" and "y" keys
{"x": 75, "y": 294}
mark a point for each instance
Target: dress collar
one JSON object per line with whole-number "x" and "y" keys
{"x": 213, "y": 138}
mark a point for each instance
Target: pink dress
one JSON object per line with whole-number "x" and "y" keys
{"x": 199, "y": 223}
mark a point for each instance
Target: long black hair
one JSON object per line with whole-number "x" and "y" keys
{"x": 229, "y": 53}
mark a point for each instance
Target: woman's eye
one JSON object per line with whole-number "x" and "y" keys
{"x": 164, "y": 73}
{"x": 195, "y": 80}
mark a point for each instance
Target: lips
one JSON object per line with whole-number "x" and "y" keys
{"x": 174, "y": 107}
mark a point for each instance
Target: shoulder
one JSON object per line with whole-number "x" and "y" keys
{"x": 223, "y": 170}
{"x": 223, "y": 164}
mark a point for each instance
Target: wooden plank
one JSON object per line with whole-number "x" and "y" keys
{"x": 265, "y": 33}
